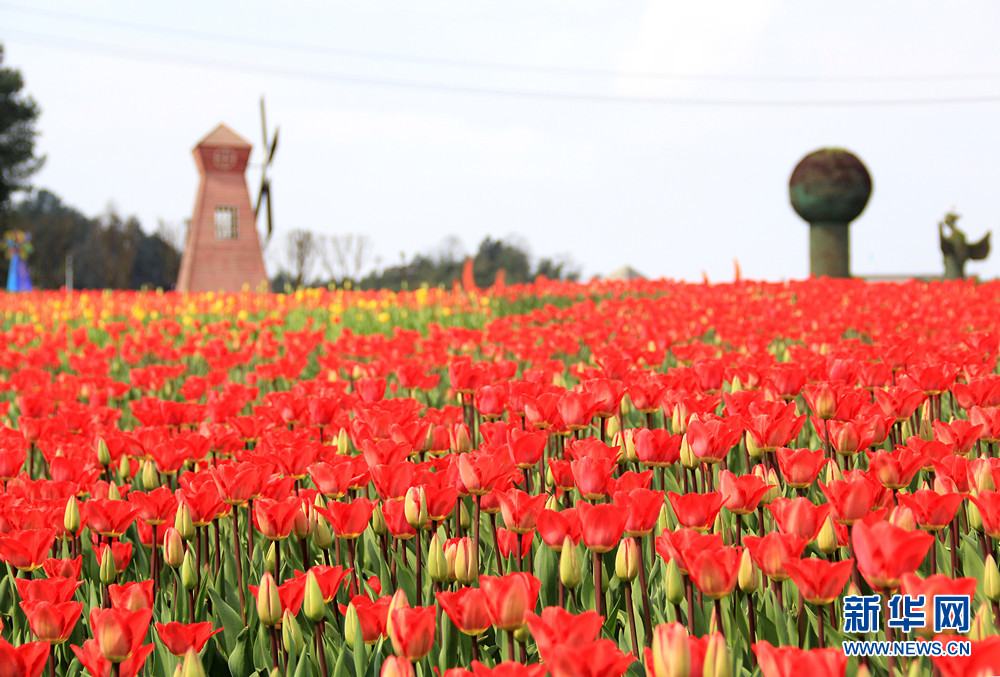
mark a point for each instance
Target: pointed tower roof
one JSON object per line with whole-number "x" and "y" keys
{"x": 224, "y": 136}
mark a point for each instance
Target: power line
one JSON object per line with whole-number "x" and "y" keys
{"x": 76, "y": 44}
{"x": 482, "y": 64}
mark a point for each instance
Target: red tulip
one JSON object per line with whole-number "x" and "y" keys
{"x": 27, "y": 660}
{"x": 642, "y": 508}
{"x": 467, "y": 609}
{"x": 696, "y": 511}
{"x": 819, "y": 580}
{"x": 741, "y": 494}
{"x": 275, "y": 519}
{"x": 64, "y": 568}
{"x": 591, "y": 476}
{"x": 179, "y": 637}
{"x": 26, "y": 550}
{"x": 789, "y": 661}
{"x": 119, "y": 633}
{"x": 108, "y": 517}
{"x": 714, "y": 572}
{"x": 371, "y": 616}
{"x": 413, "y": 631}
{"x": 601, "y": 525}
{"x": 850, "y": 500}
{"x": 132, "y": 596}
{"x": 504, "y": 669}
{"x": 554, "y": 527}
{"x": 933, "y": 511}
{"x": 348, "y": 519}
{"x": 52, "y": 622}
{"x": 936, "y": 584}
{"x": 800, "y": 467}
{"x": 54, "y": 590}
{"x": 600, "y": 658}
{"x": 330, "y": 579}
{"x": 773, "y": 550}
{"x": 676, "y": 545}
{"x": 520, "y": 509}
{"x": 984, "y": 661}
{"x": 656, "y": 448}
{"x": 556, "y": 626}
{"x": 509, "y": 598}
{"x": 885, "y": 552}
{"x": 988, "y": 503}
{"x": 97, "y": 665}
{"x": 799, "y": 516}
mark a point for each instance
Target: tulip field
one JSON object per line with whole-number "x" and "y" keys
{"x": 601, "y": 479}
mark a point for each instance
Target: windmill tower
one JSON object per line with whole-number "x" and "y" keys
{"x": 223, "y": 250}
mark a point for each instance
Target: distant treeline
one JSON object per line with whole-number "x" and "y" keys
{"x": 108, "y": 252}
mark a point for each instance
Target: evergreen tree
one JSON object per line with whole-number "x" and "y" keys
{"x": 18, "y": 114}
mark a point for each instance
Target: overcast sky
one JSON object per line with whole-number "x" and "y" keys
{"x": 655, "y": 134}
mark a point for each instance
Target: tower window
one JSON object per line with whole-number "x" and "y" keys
{"x": 226, "y": 224}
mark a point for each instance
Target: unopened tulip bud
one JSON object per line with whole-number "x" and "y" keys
{"x": 926, "y": 432}
{"x": 679, "y": 419}
{"x": 570, "y": 571}
{"x": 466, "y": 565}
{"x": 666, "y": 521}
{"x": 612, "y": 427}
{"x": 343, "y": 443}
{"x": 904, "y": 517}
{"x": 352, "y": 625}
{"x": 291, "y": 633}
{"x": 982, "y": 476}
{"x": 71, "y": 516}
{"x": 322, "y": 536}
{"x": 991, "y": 579}
{"x": 461, "y": 441}
{"x": 113, "y": 493}
{"x": 675, "y": 583}
{"x": 268, "y": 601}
{"x": 192, "y": 667}
{"x": 463, "y": 515}
{"x": 552, "y": 503}
{"x": 398, "y": 601}
{"x": 301, "y": 525}
{"x": 415, "y": 507}
{"x": 982, "y": 625}
{"x": 627, "y": 560}
{"x": 271, "y": 559}
{"x": 378, "y": 522}
{"x": 173, "y": 548}
{"x": 124, "y": 469}
{"x": 906, "y": 430}
{"x": 522, "y": 634}
{"x": 550, "y": 479}
{"x": 717, "y": 663}
{"x": 864, "y": 672}
{"x": 833, "y": 473}
{"x": 183, "y": 523}
{"x": 103, "y": 453}
{"x": 558, "y": 380}
{"x": 312, "y": 599}
{"x": 179, "y": 670}
{"x": 437, "y": 565}
{"x": 688, "y": 459}
{"x": 749, "y": 575}
{"x": 827, "y": 538}
{"x": 189, "y": 572}
{"x": 150, "y": 478}
{"x": 753, "y": 450}
{"x": 916, "y": 669}
{"x": 108, "y": 572}
{"x": 671, "y": 652}
{"x": 853, "y": 589}
{"x": 774, "y": 483}
{"x": 626, "y": 440}
{"x": 736, "y": 385}
{"x": 397, "y": 666}
{"x": 975, "y": 519}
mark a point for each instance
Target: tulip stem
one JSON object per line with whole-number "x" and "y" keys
{"x": 689, "y": 594}
{"x": 475, "y": 534}
{"x": 190, "y": 595}
{"x": 821, "y": 631}
{"x": 496, "y": 544}
{"x": 321, "y": 649}
{"x": 239, "y": 564}
{"x": 510, "y": 646}
{"x": 719, "y": 617}
{"x": 355, "y": 580}
{"x": 953, "y": 531}
{"x": 752, "y": 627}
{"x": 250, "y": 533}
{"x": 647, "y": 625}
{"x": 420, "y": 586}
{"x": 116, "y": 669}
{"x": 274, "y": 647}
{"x": 631, "y": 618}
{"x": 598, "y": 593}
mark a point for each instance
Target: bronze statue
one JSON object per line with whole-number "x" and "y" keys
{"x": 957, "y": 249}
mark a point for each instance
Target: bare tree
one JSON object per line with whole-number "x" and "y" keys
{"x": 301, "y": 250}
{"x": 346, "y": 256}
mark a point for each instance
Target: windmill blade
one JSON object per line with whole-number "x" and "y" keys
{"x": 274, "y": 146}
{"x": 270, "y": 223}
{"x": 265, "y": 190}
{"x": 263, "y": 122}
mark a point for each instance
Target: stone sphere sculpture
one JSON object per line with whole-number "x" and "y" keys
{"x": 829, "y": 188}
